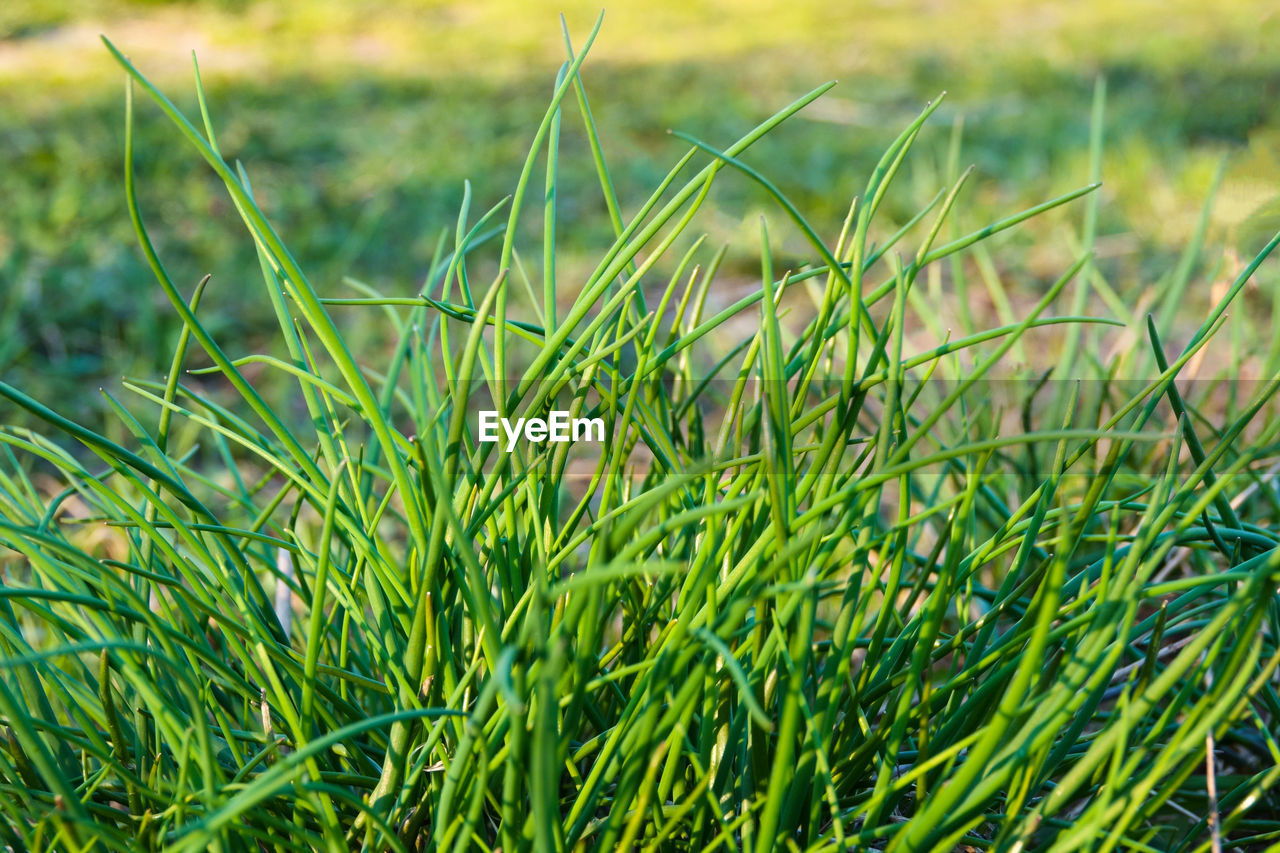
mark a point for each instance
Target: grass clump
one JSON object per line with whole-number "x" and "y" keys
{"x": 814, "y": 593}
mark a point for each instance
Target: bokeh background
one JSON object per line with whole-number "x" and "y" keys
{"x": 359, "y": 121}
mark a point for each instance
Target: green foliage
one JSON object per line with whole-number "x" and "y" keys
{"x": 815, "y": 593}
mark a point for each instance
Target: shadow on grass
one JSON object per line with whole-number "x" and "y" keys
{"x": 362, "y": 175}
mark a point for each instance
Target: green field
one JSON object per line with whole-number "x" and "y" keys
{"x": 359, "y": 122}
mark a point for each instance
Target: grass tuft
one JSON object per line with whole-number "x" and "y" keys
{"x": 837, "y": 579}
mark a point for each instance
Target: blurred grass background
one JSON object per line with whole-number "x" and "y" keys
{"x": 359, "y": 121}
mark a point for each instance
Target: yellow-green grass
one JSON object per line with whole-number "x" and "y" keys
{"x": 361, "y": 120}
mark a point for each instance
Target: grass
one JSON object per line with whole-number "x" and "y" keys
{"x": 842, "y": 578}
